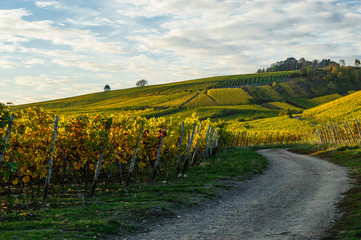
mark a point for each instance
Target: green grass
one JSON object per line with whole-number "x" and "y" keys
{"x": 116, "y": 211}
{"x": 349, "y": 225}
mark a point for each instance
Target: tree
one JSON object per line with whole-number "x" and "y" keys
{"x": 293, "y": 64}
{"x": 342, "y": 63}
{"x": 310, "y": 71}
{"x": 315, "y": 63}
{"x": 142, "y": 83}
{"x": 335, "y": 70}
{"x": 357, "y": 62}
{"x": 303, "y": 71}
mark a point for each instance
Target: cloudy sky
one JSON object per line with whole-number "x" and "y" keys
{"x": 55, "y": 49}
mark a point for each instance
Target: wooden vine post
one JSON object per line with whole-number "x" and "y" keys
{"x": 194, "y": 158}
{"x": 180, "y": 149}
{"x": 158, "y": 155}
{"x": 100, "y": 160}
{"x": 7, "y": 135}
{"x": 214, "y": 145}
{"x": 205, "y": 152}
{"x": 265, "y": 140}
{"x": 325, "y": 134}
{"x": 190, "y": 142}
{"x": 132, "y": 163}
{"x": 329, "y": 133}
{"x": 51, "y": 157}
{"x": 259, "y": 139}
{"x": 211, "y": 145}
{"x": 348, "y": 137}
{"x": 320, "y": 134}
{"x": 351, "y": 133}
{"x": 341, "y": 133}
{"x": 359, "y": 133}
{"x": 202, "y": 158}
{"x": 234, "y": 139}
{"x": 334, "y": 133}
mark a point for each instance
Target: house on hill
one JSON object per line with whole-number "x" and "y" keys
{"x": 107, "y": 88}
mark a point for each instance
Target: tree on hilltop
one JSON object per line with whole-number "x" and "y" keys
{"x": 342, "y": 62}
{"x": 293, "y": 64}
{"x": 142, "y": 83}
{"x": 357, "y": 62}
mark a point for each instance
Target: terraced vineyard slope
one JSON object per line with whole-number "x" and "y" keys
{"x": 345, "y": 108}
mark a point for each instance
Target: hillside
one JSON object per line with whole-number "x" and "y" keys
{"x": 348, "y": 107}
{"x": 255, "y": 95}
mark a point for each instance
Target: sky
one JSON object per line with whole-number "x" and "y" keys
{"x": 56, "y": 49}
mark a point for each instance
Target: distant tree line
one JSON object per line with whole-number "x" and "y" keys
{"x": 309, "y": 82}
{"x": 293, "y": 64}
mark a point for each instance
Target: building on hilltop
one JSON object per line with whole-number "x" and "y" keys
{"x": 107, "y": 88}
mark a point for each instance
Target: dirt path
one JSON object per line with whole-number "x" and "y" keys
{"x": 294, "y": 199}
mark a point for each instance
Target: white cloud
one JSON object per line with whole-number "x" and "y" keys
{"x": 42, "y": 82}
{"x": 93, "y": 22}
{"x": 105, "y": 76}
{"x": 87, "y": 65}
{"x": 34, "y": 61}
{"x": 47, "y": 52}
{"x": 23, "y": 98}
{"x": 240, "y": 35}
{"x": 15, "y": 29}
{"x": 6, "y": 63}
{"x": 42, "y": 4}
{"x": 8, "y": 47}
{"x": 82, "y": 88}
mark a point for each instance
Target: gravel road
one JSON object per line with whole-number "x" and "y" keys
{"x": 293, "y": 199}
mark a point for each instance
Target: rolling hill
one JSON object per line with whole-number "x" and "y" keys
{"x": 242, "y": 97}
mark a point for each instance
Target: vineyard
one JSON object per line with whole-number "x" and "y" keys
{"x": 200, "y": 100}
{"x": 133, "y": 146}
{"x": 179, "y": 94}
{"x": 229, "y": 96}
{"x": 345, "y": 108}
{"x": 340, "y": 133}
{"x": 290, "y": 89}
{"x": 284, "y": 106}
{"x": 260, "y": 79}
{"x": 47, "y": 160}
{"x": 313, "y": 102}
{"x": 87, "y": 149}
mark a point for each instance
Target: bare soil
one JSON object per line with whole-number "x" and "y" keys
{"x": 295, "y": 198}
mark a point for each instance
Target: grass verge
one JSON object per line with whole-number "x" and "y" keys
{"x": 349, "y": 225}
{"x": 117, "y": 211}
